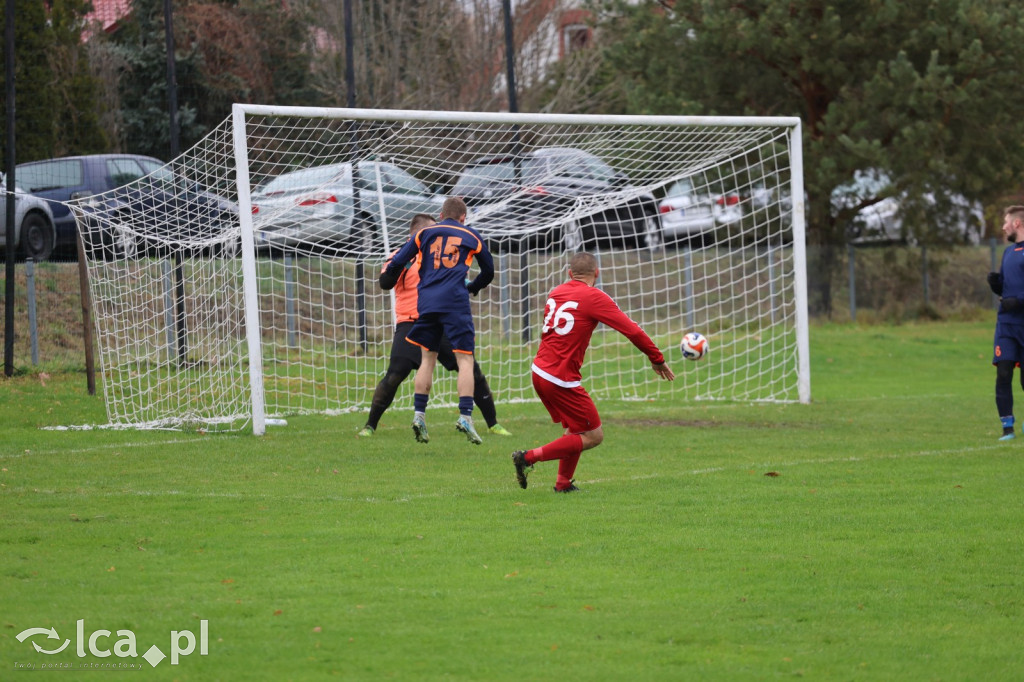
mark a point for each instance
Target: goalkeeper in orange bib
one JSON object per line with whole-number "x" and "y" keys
{"x": 405, "y": 357}
{"x": 572, "y": 311}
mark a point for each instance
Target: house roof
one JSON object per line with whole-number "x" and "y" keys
{"x": 107, "y": 13}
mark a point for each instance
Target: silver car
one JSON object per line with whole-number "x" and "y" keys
{"x": 34, "y": 234}
{"x": 315, "y": 208}
{"x": 878, "y": 216}
{"x": 687, "y": 213}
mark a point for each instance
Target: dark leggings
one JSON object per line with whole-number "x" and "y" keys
{"x": 1004, "y": 387}
{"x": 400, "y": 368}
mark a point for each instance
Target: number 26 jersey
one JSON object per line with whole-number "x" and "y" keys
{"x": 571, "y": 314}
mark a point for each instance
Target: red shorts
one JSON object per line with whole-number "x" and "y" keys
{"x": 573, "y": 408}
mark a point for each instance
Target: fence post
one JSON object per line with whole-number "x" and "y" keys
{"x": 289, "y": 298}
{"x": 993, "y": 267}
{"x": 33, "y": 332}
{"x": 85, "y": 296}
{"x": 505, "y": 296}
{"x": 169, "y": 308}
{"x": 524, "y": 295}
{"x": 924, "y": 273}
{"x": 361, "y": 304}
{"x": 851, "y": 260}
{"x": 688, "y": 288}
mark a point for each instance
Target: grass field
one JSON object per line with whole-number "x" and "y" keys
{"x": 875, "y": 534}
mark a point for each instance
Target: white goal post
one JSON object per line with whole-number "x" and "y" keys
{"x": 239, "y": 283}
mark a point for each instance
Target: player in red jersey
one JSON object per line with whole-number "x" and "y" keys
{"x": 571, "y": 313}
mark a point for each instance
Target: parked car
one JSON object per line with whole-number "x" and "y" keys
{"x": 556, "y": 196}
{"x": 34, "y": 233}
{"x": 880, "y": 216}
{"x": 136, "y": 204}
{"x": 687, "y": 213}
{"x": 315, "y": 208}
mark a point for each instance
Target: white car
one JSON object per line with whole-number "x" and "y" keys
{"x": 882, "y": 221}
{"x": 314, "y": 208}
{"x": 34, "y": 234}
{"x": 686, "y": 213}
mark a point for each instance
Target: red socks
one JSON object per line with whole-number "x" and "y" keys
{"x": 568, "y": 445}
{"x": 567, "y": 450}
{"x": 566, "y": 468}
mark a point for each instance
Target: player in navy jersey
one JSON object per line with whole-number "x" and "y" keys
{"x": 447, "y": 251}
{"x": 1008, "y": 346}
{"x": 571, "y": 313}
{"x": 405, "y": 357}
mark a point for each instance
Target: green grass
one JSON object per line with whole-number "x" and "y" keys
{"x": 885, "y": 544}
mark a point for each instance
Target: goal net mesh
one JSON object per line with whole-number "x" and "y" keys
{"x": 692, "y": 222}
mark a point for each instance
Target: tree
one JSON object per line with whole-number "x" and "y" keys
{"x": 257, "y": 51}
{"x": 438, "y": 54}
{"x": 56, "y": 105}
{"x": 78, "y": 129}
{"x": 35, "y": 98}
{"x": 225, "y": 52}
{"x": 927, "y": 92}
{"x": 141, "y": 51}
{"x": 409, "y": 54}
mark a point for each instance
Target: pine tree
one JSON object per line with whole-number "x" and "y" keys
{"x": 36, "y": 100}
{"x": 78, "y": 129}
{"x": 929, "y": 92}
{"x": 141, "y": 46}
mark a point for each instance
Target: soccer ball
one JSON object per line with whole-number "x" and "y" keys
{"x": 694, "y": 346}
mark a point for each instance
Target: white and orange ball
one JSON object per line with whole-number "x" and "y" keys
{"x": 694, "y": 346}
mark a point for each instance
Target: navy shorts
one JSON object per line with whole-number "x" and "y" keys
{"x": 402, "y": 349}
{"x": 1008, "y": 344}
{"x": 431, "y": 328}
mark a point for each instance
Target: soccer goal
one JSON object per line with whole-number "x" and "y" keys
{"x": 239, "y": 283}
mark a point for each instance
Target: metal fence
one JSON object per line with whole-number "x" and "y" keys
{"x": 894, "y": 283}
{"x": 868, "y": 284}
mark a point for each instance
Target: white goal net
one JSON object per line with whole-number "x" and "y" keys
{"x": 240, "y": 282}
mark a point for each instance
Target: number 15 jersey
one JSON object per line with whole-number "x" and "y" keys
{"x": 571, "y": 314}
{"x": 447, "y": 250}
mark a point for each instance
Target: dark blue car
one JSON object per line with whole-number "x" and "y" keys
{"x": 132, "y": 192}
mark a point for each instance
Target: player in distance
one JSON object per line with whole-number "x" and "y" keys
{"x": 447, "y": 250}
{"x": 571, "y": 313}
{"x": 405, "y": 357}
{"x": 1008, "y": 345}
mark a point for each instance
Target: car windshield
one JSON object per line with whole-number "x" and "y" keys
{"x": 392, "y": 178}
{"x": 307, "y": 177}
{"x": 578, "y": 165}
{"x": 680, "y": 188}
{"x": 496, "y": 174}
{"x": 163, "y": 178}
{"x": 150, "y": 165}
{"x": 123, "y": 171}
